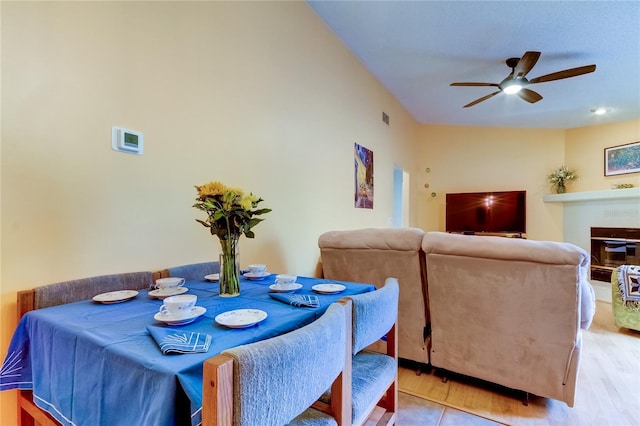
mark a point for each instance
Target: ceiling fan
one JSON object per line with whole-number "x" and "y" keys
{"x": 516, "y": 82}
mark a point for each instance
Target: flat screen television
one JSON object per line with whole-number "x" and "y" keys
{"x": 496, "y": 212}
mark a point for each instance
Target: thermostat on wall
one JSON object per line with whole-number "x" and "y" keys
{"x": 128, "y": 141}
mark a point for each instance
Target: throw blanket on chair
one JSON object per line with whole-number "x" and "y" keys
{"x": 629, "y": 285}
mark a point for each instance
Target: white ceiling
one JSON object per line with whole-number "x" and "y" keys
{"x": 417, "y": 48}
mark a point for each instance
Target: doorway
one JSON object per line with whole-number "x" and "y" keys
{"x": 400, "y": 217}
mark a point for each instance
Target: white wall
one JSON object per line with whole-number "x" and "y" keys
{"x": 585, "y": 152}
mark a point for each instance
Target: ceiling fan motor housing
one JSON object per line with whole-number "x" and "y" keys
{"x": 512, "y": 62}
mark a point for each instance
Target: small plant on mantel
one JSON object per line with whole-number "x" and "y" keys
{"x": 559, "y": 178}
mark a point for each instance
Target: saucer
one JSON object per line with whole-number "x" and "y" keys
{"x": 328, "y": 288}
{"x": 196, "y": 312}
{"x": 115, "y": 296}
{"x": 161, "y": 294}
{"x": 212, "y": 277}
{"x": 287, "y": 288}
{"x": 255, "y": 277}
{"x": 241, "y": 318}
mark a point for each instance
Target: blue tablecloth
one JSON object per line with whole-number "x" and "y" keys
{"x": 96, "y": 364}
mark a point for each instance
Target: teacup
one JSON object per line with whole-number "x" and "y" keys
{"x": 257, "y": 268}
{"x": 167, "y": 285}
{"x": 178, "y": 306}
{"x": 285, "y": 280}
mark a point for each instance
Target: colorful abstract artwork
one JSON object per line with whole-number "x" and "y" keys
{"x": 363, "y": 161}
{"x": 622, "y": 159}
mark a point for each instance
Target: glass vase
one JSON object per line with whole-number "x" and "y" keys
{"x": 229, "y": 268}
{"x": 560, "y": 188}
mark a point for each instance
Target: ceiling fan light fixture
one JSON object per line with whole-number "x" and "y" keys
{"x": 600, "y": 111}
{"x": 512, "y": 86}
{"x": 512, "y": 89}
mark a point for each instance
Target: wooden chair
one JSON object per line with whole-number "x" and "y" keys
{"x": 276, "y": 381}
{"x": 192, "y": 272}
{"x": 374, "y": 374}
{"x": 60, "y": 293}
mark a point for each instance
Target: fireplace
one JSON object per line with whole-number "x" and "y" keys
{"x": 612, "y": 247}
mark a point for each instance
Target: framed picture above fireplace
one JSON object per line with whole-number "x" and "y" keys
{"x": 622, "y": 159}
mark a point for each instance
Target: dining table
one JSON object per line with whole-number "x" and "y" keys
{"x": 101, "y": 363}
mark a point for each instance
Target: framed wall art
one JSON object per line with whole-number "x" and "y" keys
{"x": 622, "y": 159}
{"x": 363, "y": 161}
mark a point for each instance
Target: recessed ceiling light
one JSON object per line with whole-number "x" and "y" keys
{"x": 600, "y": 111}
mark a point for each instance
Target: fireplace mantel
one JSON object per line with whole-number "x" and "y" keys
{"x": 610, "y": 194}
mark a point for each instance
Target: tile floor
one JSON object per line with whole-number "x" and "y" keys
{"x": 416, "y": 411}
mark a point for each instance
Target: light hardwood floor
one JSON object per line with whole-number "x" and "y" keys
{"x": 608, "y": 386}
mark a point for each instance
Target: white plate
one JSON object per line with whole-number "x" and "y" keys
{"x": 212, "y": 277}
{"x": 115, "y": 296}
{"x": 259, "y": 276}
{"x": 196, "y": 312}
{"x": 288, "y": 288}
{"x": 241, "y": 318}
{"x": 161, "y": 294}
{"x": 328, "y": 288}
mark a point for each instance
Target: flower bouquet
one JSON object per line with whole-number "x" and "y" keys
{"x": 559, "y": 178}
{"x": 230, "y": 214}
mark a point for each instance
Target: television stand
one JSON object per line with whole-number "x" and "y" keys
{"x": 494, "y": 234}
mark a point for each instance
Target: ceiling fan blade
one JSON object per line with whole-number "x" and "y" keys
{"x": 529, "y": 95}
{"x": 475, "y": 84}
{"x": 525, "y": 64}
{"x": 484, "y": 98}
{"x": 572, "y": 72}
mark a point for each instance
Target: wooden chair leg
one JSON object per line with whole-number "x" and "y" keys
{"x": 30, "y": 414}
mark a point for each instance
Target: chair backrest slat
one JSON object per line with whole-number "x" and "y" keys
{"x": 194, "y": 271}
{"x": 374, "y": 314}
{"x": 85, "y": 288}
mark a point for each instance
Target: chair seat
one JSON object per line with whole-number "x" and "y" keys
{"x": 371, "y": 374}
{"x": 313, "y": 417}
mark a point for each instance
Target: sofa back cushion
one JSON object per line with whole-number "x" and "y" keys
{"x": 508, "y": 310}
{"x": 370, "y": 256}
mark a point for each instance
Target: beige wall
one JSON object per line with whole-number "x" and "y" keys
{"x": 258, "y": 95}
{"x": 469, "y": 159}
{"x": 585, "y": 152}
